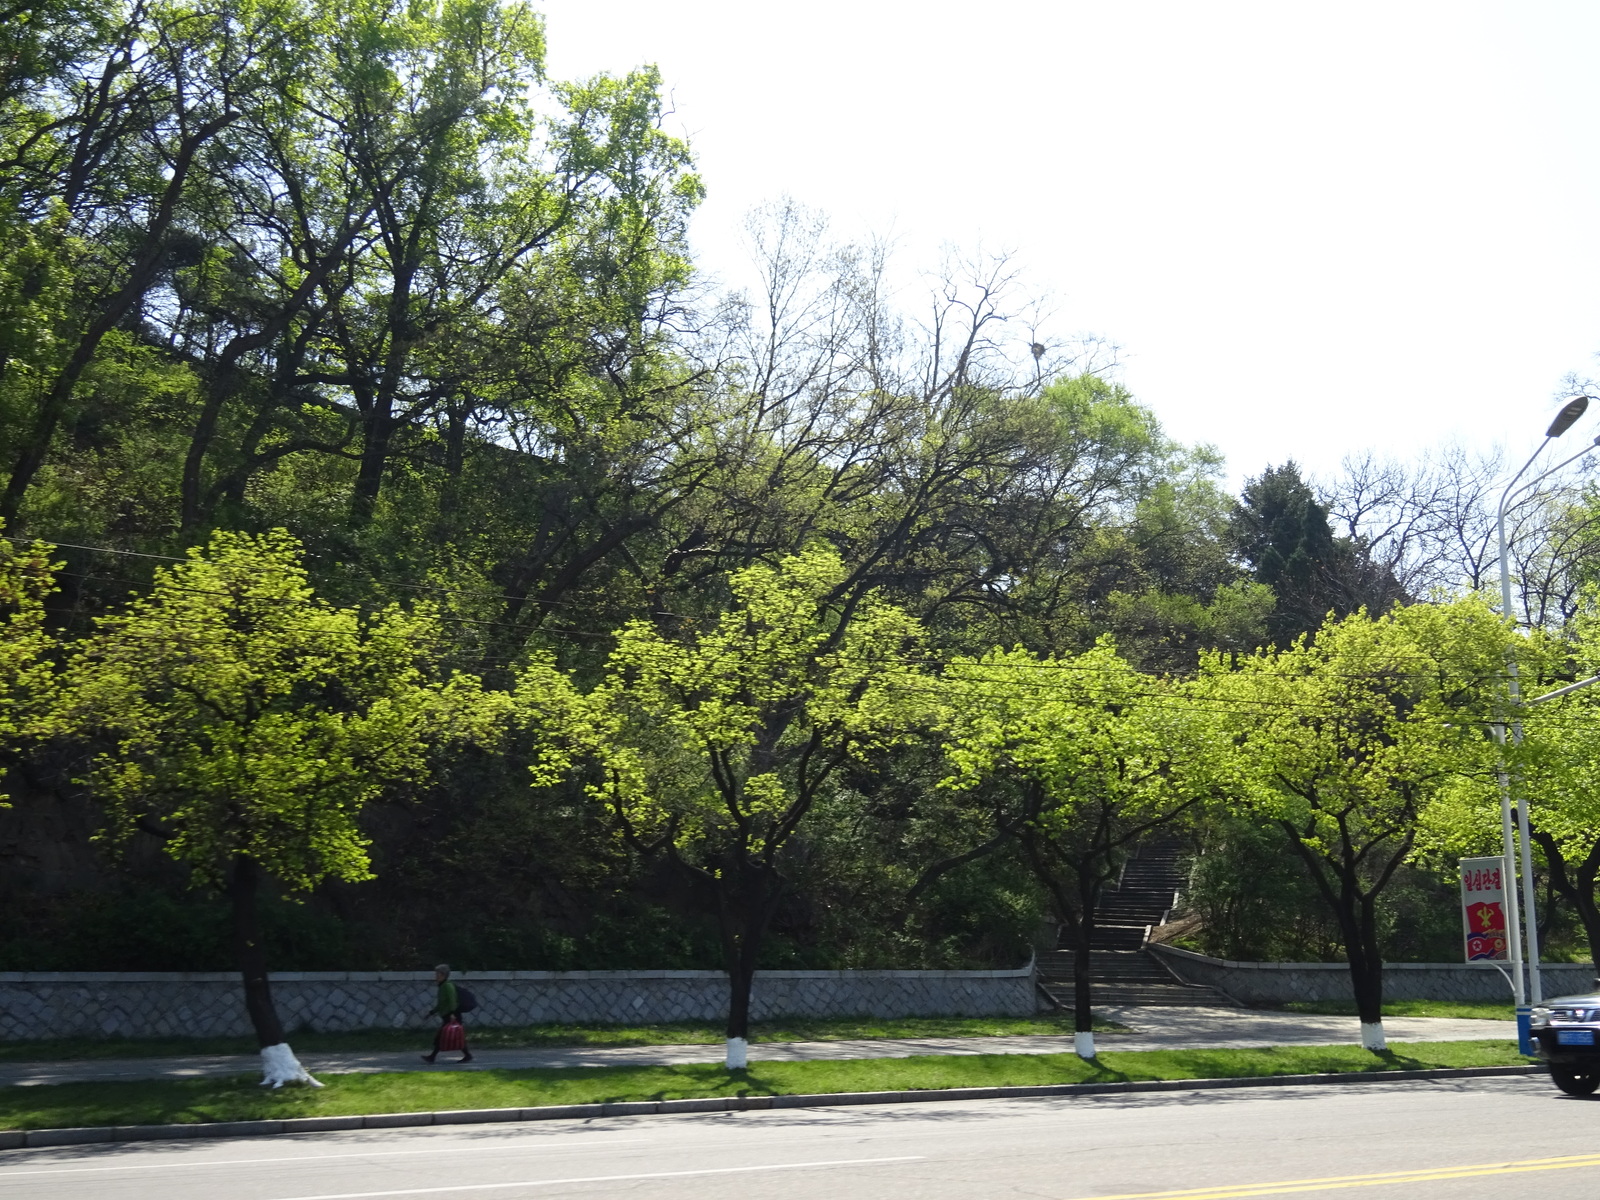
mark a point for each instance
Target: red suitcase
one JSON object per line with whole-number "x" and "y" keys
{"x": 453, "y": 1037}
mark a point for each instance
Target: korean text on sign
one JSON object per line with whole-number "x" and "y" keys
{"x": 1483, "y": 909}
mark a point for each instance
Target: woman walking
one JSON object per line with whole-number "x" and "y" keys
{"x": 452, "y": 1034}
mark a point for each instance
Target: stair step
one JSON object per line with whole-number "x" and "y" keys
{"x": 1120, "y": 970}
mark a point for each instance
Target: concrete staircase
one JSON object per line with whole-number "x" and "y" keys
{"x": 1121, "y": 971}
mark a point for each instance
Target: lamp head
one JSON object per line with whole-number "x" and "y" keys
{"x": 1568, "y": 416}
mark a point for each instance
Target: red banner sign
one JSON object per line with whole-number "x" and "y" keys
{"x": 1483, "y": 909}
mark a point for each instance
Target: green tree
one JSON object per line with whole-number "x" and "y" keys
{"x": 1346, "y": 743}
{"x": 1074, "y": 760}
{"x": 27, "y": 675}
{"x": 247, "y": 724}
{"x": 1281, "y": 529}
{"x": 106, "y": 164}
{"x": 713, "y": 748}
{"x": 1556, "y": 773}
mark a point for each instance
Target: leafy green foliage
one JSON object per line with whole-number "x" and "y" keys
{"x": 247, "y": 718}
{"x": 720, "y": 745}
{"x": 1076, "y": 760}
{"x": 27, "y": 675}
{"x": 1346, "y": 743}
{"x": 714, "y": 749}
{"x": 365, "y": 273}
{"x": 1556, "y": 772}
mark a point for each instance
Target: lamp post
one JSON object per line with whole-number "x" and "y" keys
{"x": 1564, "y": 421}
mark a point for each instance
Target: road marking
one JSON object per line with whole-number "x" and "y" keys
{"x": 529, "y": 1183}
{"x": 1285, "y": 1187}
{"x": 375, "y": 1152}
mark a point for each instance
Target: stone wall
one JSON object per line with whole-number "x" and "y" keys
{"x": 1262, "y": 983}
{"x": 46, "y": 1004}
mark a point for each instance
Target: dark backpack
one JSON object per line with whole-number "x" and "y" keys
{"x": 465, "y": 1000}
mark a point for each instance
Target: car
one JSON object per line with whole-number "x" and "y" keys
{"x": 1566, "y": 1036}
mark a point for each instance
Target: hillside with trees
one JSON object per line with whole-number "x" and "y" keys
{"x": 411, "y": 556}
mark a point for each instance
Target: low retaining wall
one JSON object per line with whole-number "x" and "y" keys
{"x": 47, "y": 1004}
{"x": 1267, "y": 983}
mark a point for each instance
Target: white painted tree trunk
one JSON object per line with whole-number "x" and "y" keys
{"x": 738, "y": 1054}
{"x": 279, "y": 1066}
{"x": 1372, "y": 1036}
{"x": 1083, "y": 1045}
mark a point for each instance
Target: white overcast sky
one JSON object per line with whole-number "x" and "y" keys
{"x": 1313, "y": 228}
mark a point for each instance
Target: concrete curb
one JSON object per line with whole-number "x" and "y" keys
{"x": 29, "y": 1139}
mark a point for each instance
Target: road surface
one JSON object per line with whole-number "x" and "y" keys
{"x": 1459, "y": 1139}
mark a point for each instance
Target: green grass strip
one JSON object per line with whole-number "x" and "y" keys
{"x": 1411, "y": 1008}
{"x": 155, "y": 1102}
{"x": 535, "y": 1036}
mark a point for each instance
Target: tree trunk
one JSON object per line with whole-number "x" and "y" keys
{"x": 221, "y": 388}
{"x": 1082, "y": 992}
{"x": 1575, "y": 883}
{"x": 244, "y": 891}
{"x": 746, "y": 898}
{"x": 1366, "y": 975}
{"x": 376, "y": 435}
{"x": 1583, "y": 900}
{"x": 741, "y": 978}
{"x": 1358, "y": 925}
{"x": 278, "y": 1063}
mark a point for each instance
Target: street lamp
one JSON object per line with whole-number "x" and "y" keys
{"x": 1564, "y": 421}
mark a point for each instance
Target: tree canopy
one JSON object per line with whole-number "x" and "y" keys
{"x": 395, "y": 514}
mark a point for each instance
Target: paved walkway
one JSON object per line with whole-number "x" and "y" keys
{"x": 1152, "y": 1029}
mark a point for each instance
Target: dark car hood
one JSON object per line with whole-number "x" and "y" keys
{"x": 1582, "y": 1000}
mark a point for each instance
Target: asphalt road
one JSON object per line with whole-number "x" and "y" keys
{"x": 1438, "y": 1139}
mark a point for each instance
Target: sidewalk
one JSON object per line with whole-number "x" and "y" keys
{"x": 1153, "y": 1029}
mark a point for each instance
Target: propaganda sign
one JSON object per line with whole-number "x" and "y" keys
{"x": 1483, "y": 909}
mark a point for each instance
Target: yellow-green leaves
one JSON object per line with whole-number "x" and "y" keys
{"x": 720, "y": 741}
{"x": 26, "y": 674}
{"x": 241, "y": 715}
{"x": 1557, "y": 767}
{"x": 1084, "y": 730}
{"x": 1355, "y": 734}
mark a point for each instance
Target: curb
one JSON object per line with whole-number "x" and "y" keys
{"x": 29, "y": 1139}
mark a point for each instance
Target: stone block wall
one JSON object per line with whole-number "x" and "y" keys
{"x": 1261, "y": 983}
{"x": 47, "y": 1004}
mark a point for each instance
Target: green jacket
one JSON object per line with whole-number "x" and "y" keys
{"x": 448, "y": 1003}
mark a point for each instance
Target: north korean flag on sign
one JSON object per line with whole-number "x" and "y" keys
{"x": 1486, "y": 917}
{"x": 1490, "y": 946}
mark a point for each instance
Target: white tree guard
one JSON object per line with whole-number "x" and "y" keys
{"x": 738, "y": 1054}
{"x": 1372, "y": 1036}
{"x": 279, "y": 1066}
{"x": 1083, "y": 1045}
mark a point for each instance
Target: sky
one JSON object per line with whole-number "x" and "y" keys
{"x": 1313, "y": 229}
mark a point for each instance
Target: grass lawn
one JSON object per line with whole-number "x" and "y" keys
{"x": 1411, "y": 1008}
{"x": 526, "y": 1036}
{"x": 242, "y": 1098}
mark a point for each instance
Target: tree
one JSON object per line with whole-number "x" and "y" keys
{"x": 713, "y": 748}
{"x": 247, "y": 724}
{"x": 1556, "y": 773}
{"x": 105, "y": 161}
{"x": 1281, "y": 530}
{"x": 1347, "y": 741}
{"x": 1429, "y": 524}
{"x": 27, "y": 675}
{"x": 1074, "y": 760}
